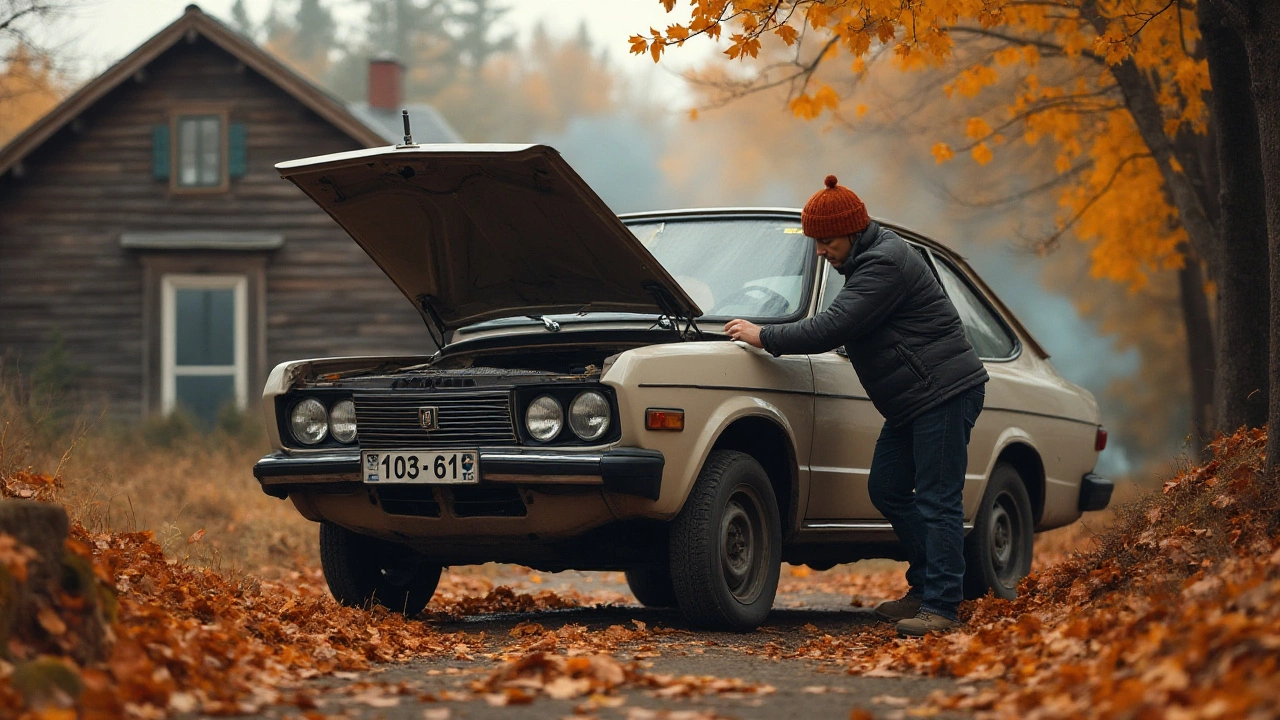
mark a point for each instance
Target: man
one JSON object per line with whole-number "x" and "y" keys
{"x": 906, "y": 342}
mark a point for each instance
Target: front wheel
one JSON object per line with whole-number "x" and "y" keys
{"x": 726, "y": 545}
{"x": 997, "y": 552}
{"x": 361, "y": 570}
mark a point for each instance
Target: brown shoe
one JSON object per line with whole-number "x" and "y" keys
{"x": 894, "y": 610}
{"x": 924, "y": 623}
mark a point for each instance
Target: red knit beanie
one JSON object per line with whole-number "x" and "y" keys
{"x": 834, "y": 211}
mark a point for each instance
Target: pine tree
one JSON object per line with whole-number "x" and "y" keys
{"x": 240, "y": 20}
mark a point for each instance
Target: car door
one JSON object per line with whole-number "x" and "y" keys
{"x": 845, "y": 428}
{"x": 999, "y": 348}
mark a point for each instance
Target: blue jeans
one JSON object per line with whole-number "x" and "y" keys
{"x": 917, "y": 483}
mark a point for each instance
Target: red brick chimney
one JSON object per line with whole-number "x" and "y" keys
{"x": 384, "y": 83}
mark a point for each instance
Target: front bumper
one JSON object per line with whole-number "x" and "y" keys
{"x": 1095, "y": 492}
{"x": 629, "y": 471}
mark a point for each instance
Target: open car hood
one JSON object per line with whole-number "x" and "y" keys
{"x": 477, "y": 232}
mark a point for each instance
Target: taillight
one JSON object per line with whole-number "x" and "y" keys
{"x": 1100, "y": 440}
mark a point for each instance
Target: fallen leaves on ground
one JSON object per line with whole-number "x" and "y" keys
{"x": 863, "y": 588}
{"x": 190, "y": 639}
{"x": 1174, "y": 614}
{"x": 597, "y": 676}
{"x": 460, "y": 595}
{"x": 27, "y": 485}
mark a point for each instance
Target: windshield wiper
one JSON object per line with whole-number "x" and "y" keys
{"x": 673, "y": 309}
{"x": 548, "y": 323}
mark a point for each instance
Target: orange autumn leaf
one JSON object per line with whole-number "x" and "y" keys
{"x": 1125, "y": 218}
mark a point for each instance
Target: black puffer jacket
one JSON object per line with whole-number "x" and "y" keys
{"x": 901, "y": 331}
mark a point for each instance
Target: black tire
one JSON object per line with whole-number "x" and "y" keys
{"x": 651, "y": 584}
{"x": 997, "y": 552}
{"x": 726, "y": 545}
{"x": 362, "y": 570}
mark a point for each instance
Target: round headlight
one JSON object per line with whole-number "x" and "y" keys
{"x": 589, "y": 415}
{"x": 544, "y": 418}
{"x": 309, "y": 422}
{"x": 342, "y": 421}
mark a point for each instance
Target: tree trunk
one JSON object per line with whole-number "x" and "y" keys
{"x": 1258, "y": 22}
{"x": 1241, "y": 382}
{"x": 1140, "y": 98}
{"x": 1199, "y": 331}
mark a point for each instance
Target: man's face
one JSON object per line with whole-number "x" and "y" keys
{"x": 834, "y": 250}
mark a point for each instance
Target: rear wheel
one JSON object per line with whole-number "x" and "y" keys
{"x": 651, "y": 585}
{"x": 726, "y": 545}
{"x": 999, "y": 548}
{"x": 361, "y": 570}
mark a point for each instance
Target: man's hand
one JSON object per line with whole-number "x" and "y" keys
{"x": 747, "y": 332}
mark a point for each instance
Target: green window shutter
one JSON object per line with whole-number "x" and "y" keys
{"x": 160, "y": 152}
{"x": 237, "y": 149}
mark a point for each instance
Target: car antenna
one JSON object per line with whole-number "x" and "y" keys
{"x": 408, "y": 136}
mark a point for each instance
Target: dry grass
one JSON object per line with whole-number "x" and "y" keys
{"x": 167, "y": 476}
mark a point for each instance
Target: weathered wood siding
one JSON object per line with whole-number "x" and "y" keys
{"x": 62, "y": 268}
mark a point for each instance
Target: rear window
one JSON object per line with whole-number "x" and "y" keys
{"x": 987, "y": 333}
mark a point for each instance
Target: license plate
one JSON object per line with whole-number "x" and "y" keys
{"x": 454, "y": 467}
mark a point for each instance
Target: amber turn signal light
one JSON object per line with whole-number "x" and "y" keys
{"x": 664, "y": 419}
{"x": 1100, "y": 440}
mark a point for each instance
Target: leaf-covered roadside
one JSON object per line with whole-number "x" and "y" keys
{"x": 1175, "y": 614}
{"x": 191, "y": 639}
{"x": 187, "y": 638}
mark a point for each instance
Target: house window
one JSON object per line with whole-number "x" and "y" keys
{"x": 204, "y": 330}
{"x": 200, "y": 146}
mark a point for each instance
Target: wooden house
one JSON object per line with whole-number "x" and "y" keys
{"x": 143, "y": 223}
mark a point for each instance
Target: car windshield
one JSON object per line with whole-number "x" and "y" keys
{"x": 749, "y": 268}
{"x": 752, "y": 268}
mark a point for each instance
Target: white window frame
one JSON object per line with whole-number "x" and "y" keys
{"x": 170, "y": 284}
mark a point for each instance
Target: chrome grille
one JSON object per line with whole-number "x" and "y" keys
{"x": 466, "y": 419}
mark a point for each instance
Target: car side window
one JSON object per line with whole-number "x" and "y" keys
{"x": 984, "y": 329}
{"x": 835, "y": 281}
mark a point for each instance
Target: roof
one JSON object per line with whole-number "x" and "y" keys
{"x": 425, "y": 122}
{"x": 359, "y": 124}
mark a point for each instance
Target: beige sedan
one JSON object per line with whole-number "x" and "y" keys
{"x": 585, "y": 410}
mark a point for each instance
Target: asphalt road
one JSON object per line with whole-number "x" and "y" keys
{"x": 437, "y": 689}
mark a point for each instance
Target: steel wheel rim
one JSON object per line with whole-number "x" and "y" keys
{"x": 744, "y": 546}
{"x": 1005, "y": 528}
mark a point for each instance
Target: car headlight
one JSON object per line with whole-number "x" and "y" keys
{"x": 342, "y": 421}
{"x": 309, "y": 422}
{"x": 545, "y": 418}
{"x": 589, "y": 415}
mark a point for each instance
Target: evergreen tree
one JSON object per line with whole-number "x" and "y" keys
{"x": 476, "y": 20}
{"x": 315, "y": 30}
{"x": 240, "y": 20}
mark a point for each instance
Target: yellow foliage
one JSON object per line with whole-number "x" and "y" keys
{"x": 972, "y": 81}
{"x": 1117, "y": 205}
{"x": 29, "y": 88}
{"x": 977, "y": 128}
